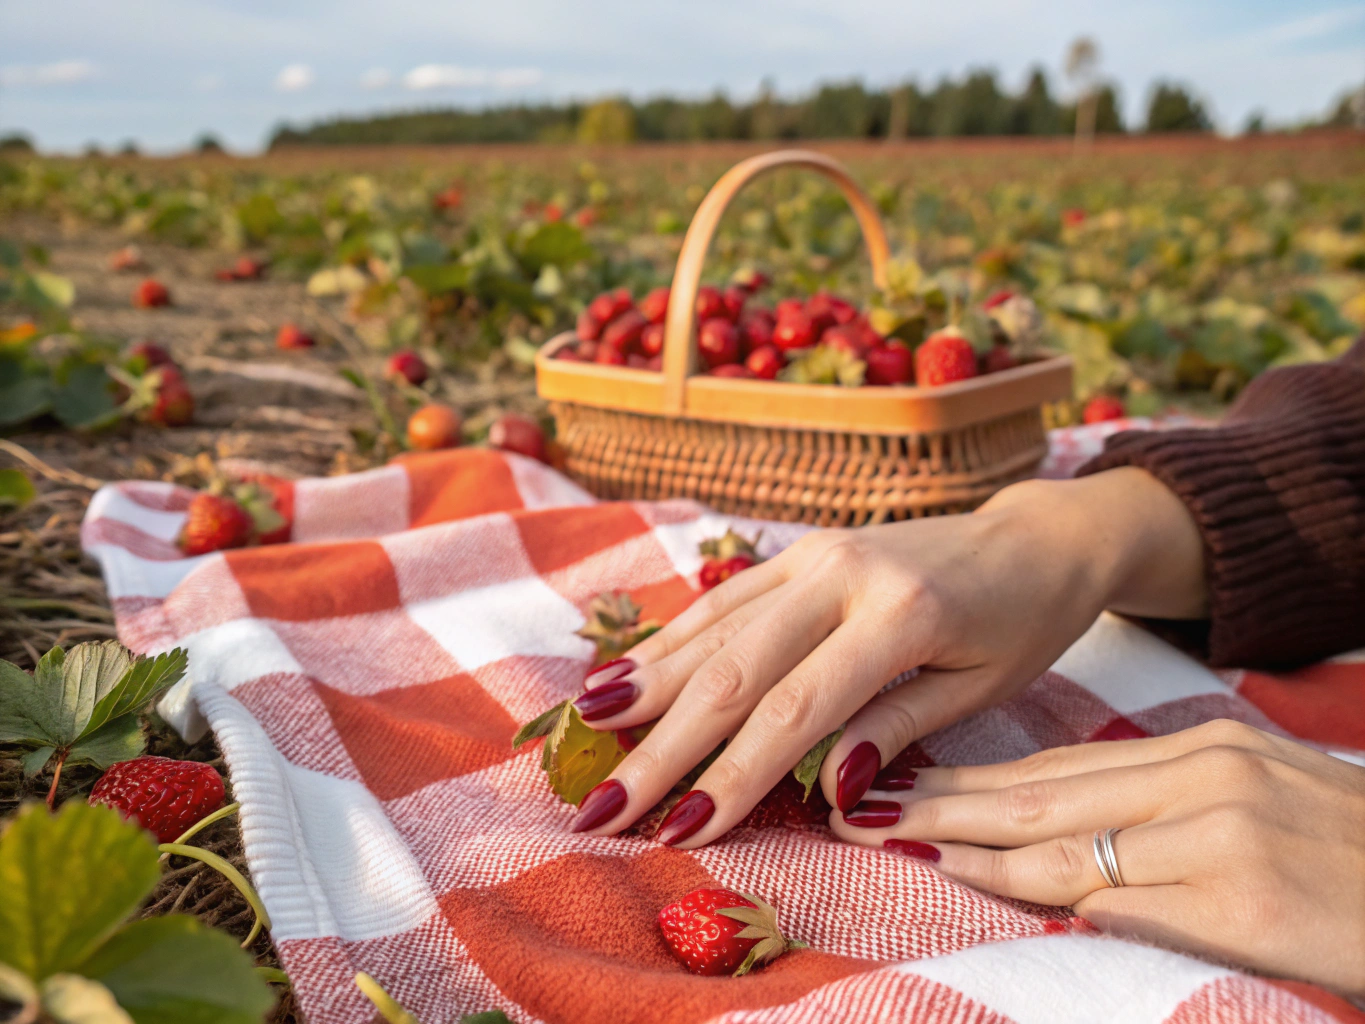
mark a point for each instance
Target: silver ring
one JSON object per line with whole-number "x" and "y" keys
{"x": 1104, "y": 856}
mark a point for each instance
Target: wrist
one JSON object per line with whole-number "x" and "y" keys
{"x": 1131, "y": 542}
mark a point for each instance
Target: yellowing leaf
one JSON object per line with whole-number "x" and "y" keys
{"x": 577, "y": 758}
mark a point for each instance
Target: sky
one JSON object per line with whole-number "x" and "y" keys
{"x": 163, "y": 72}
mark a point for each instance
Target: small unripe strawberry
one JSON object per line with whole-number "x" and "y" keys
{"x": 513, "y": 433}
{"x": 1102, "y": 408}
{"x": 291, "y": 336}
{"x": 890, "y": 363}
{"x": 433, "y": 427}
{"x": 407, "y": 365}
{"x": 943, "y": 358}
{"x": 214, "y": 522}
{"x": 150, "y": 294}
{"x": 764, "y": 362}
{"x": 718, "y": 342}
{"x": 164, "y": 796}
{"x": 654, "y": 306}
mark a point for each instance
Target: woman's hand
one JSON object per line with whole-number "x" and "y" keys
{"x": 785, "y": 653}
{"x": 1235, "y": 844}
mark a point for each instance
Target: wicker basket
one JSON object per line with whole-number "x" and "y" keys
{"x": 794, "y": 452}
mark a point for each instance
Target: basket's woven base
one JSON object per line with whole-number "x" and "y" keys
{"x": 794, "y": 475}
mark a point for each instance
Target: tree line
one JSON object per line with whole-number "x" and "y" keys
{"x": 973, "y": 105}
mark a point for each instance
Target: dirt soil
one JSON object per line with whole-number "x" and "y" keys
{"x": 290, "y": 413}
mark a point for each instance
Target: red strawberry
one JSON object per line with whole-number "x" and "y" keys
{"x": 214, "y": 522}
{"x": 433, "y": 427}
{"x": 655, "y": 363}
{"x": 756, "y": 329}
{"x": 788, "y": 308}
{"x": 245, "y": 269}
{"x": 150, "y": 294}
{"x": 652, "y": 340}
{"x": 143, "y": 355}
{"x": 1102, "y": 408}
{"x": 704, "y": 931}
{"x": 610, "y": 305}
{"x": 796, "y": 330}
{"x": 890, "y": 363}
{"x": 654, "y": 306}
{"x": 718, "y": 342}
{"x": 585, "y": 218}
{"x": 407, "y": 365}
{"x": 277, "y": 493}
{"x": 733, "y": 370}
{"x": 998, "y": 299}
{"x": 291, "y": 336}
{"x": 554, "y": 212}
{"x": 998, "y": 358}
{"x": 587, "y": 351}
{"x": 589, "y": 327}
{"x": 716, "y": 571}
{"x": 1073, "y": 218}
{"x": 752, "y": 280}
{"x": 765, "y": 361}
{"x": 173, "y": 405}
{"x": 608, "y": 356}
{"x": 944, "y": 357}
{"x": 448, "y": 199}
{"x": 845, "y": 338}
{"x": 636, "y": 361}
{"x": 709, "y": 304}
{"x": 513, "y": 433}
{"x": 733, "y": 299}
{"x": 624, "y": 331}
{"x": 164, "y": 796}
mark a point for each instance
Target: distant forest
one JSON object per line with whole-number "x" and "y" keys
{"x": 974, "y": 105}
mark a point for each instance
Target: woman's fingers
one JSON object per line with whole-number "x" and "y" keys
{"x": 719, "y": 697}
{"x": 807, "y": 705}
{"x": 889, "y": 723}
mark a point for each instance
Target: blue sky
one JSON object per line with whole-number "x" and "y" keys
{"x": 163, "y": 71}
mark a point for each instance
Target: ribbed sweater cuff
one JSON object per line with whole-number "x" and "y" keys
{"x": 1280, "y": 503}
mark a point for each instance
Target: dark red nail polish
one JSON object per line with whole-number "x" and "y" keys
{"x": 895, "y": 780}
{"x": 856, "y": 774}
{"x": 687, "y": 817}
{"x": 913, "y": 849}
{"x": 606, "y": 700}
{"x": 874, "y": 814}
{"x": 603, "y": 802}
{"x": 614, "y": 669}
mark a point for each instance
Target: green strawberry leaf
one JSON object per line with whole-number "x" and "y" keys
{"x": 807, "y": 770}
{"x": 22, "y": 712}
{"x": 25, "y": 391}
{"x": 89, "y": 672}
{"x": 174, "y": 970}
{"x": 71, "y": 999}
{"x": 145, "y": 680}
{"x": 538, "y": 726}
{"x": 36, "y": 760}
{"x": 16, "y": 489}
{"x": 578, "y": 757}
{"x": 119, "y": 740}
{"x": 69, "y": 880}
{"x": 86, "y": 400}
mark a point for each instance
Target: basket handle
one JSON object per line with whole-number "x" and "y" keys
{"x": 680, "y": 349}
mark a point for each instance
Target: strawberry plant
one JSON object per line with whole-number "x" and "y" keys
{"x": 81, "y": 707}
{"x": 68, "y": 950}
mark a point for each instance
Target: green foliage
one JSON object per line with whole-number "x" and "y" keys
{"x": 1173, "y": 109}
{"x": 607, "y": 121}
{"x": 71, "y": 881}
{"x": 83, "y": 706}
{"x": 16, "y": 489}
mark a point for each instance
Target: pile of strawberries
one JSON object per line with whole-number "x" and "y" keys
{"x": 150, "y": 382}
{"x": 737, "y": 337}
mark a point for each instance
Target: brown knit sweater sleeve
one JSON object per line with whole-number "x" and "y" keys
{"x": 1278, "y": 492}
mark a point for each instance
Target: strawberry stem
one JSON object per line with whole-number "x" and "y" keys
{"x": 202, "y": 824}
{"x": 232, "y": 875}
{"x": 56, "y": 777}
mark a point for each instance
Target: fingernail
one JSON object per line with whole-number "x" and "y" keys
{"x": 856, "y": 774}
{"x": 686, "y": 819}
{"x": 606, "y": 700}
{"x": 603, "y": 802}
{"x": 874, "y": 814}
{"x": 913, "y": 849}
{"x": 895, "y": 780}
{"x": 614, "y": 669}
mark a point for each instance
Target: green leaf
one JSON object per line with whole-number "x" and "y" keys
{"x": 435, "y": 279}
{"x": 807, "y": 770}
{"x": 71, "y": 999}
{"x": 16, "y": 489}
{"x": 578, "y": 756}
{"x": 115, "y": 741}
{"x": 538, "y": 726}
{"x": 487, "y": 1017}
{"x": 174, "y": 970}
{"x": 57, "y": 290}
{"x": 22, "y": 711}
{"x": 86, "y": 400}
{"x": 36, "y": 760}
{"x": 24, "y": 392}
{"x": 147, "y": 679}
{"x": 559, "y": 243}
{"x": 69, "y": 880}
{"x": 89, "y": 672}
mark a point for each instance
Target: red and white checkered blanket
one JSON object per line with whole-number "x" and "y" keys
{"x": 365, "y": 682}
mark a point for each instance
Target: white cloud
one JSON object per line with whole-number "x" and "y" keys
{"x": 451, "y": 76}
{"x": 1313, "y": 26}
{"x": 62, "y": 72}
{"x": 375, "y": 78}
{"x": 294, "y": 77}
{"x": 208, "y": 83}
